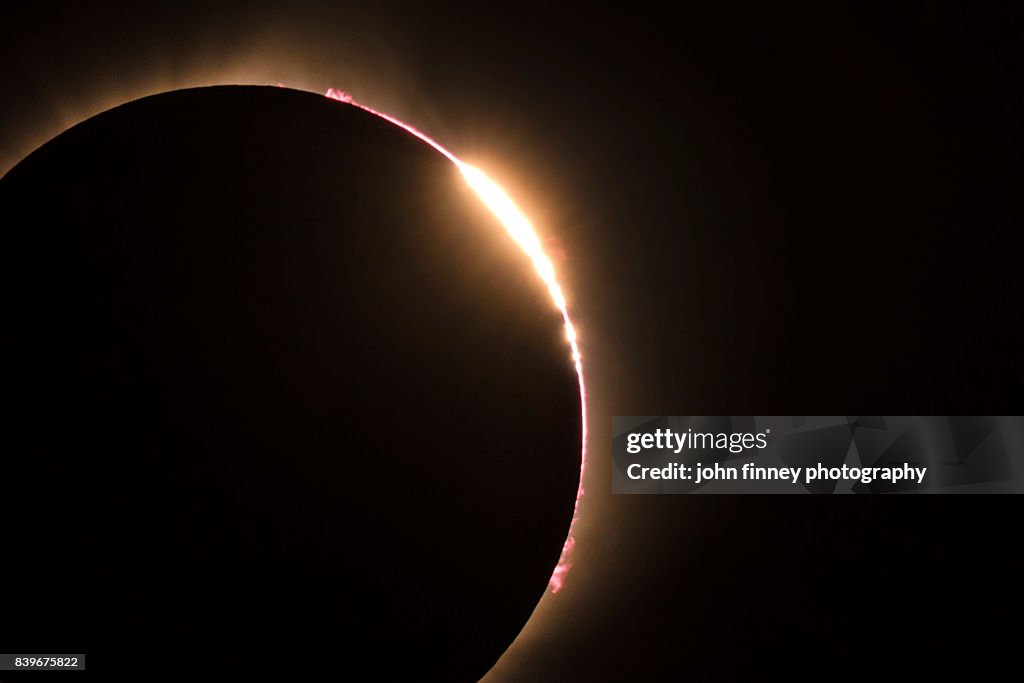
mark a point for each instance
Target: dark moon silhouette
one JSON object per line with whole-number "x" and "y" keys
{"x": 287, "y": 399}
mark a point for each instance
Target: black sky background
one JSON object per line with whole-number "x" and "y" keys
{"x": 806, "y": 209}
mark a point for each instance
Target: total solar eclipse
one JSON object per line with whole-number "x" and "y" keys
{"x": 319, "y": 317}
{"x": 275, "y": 352}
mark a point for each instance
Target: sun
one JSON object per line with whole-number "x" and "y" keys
{"x": 522, "y": 232}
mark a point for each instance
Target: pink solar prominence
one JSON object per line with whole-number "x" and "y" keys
{"x": 522, "y": 232}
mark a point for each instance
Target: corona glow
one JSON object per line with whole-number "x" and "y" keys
{"x": 522, "y": 232}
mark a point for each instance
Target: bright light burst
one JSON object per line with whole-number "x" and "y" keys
{"x": 522, "y": 232}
